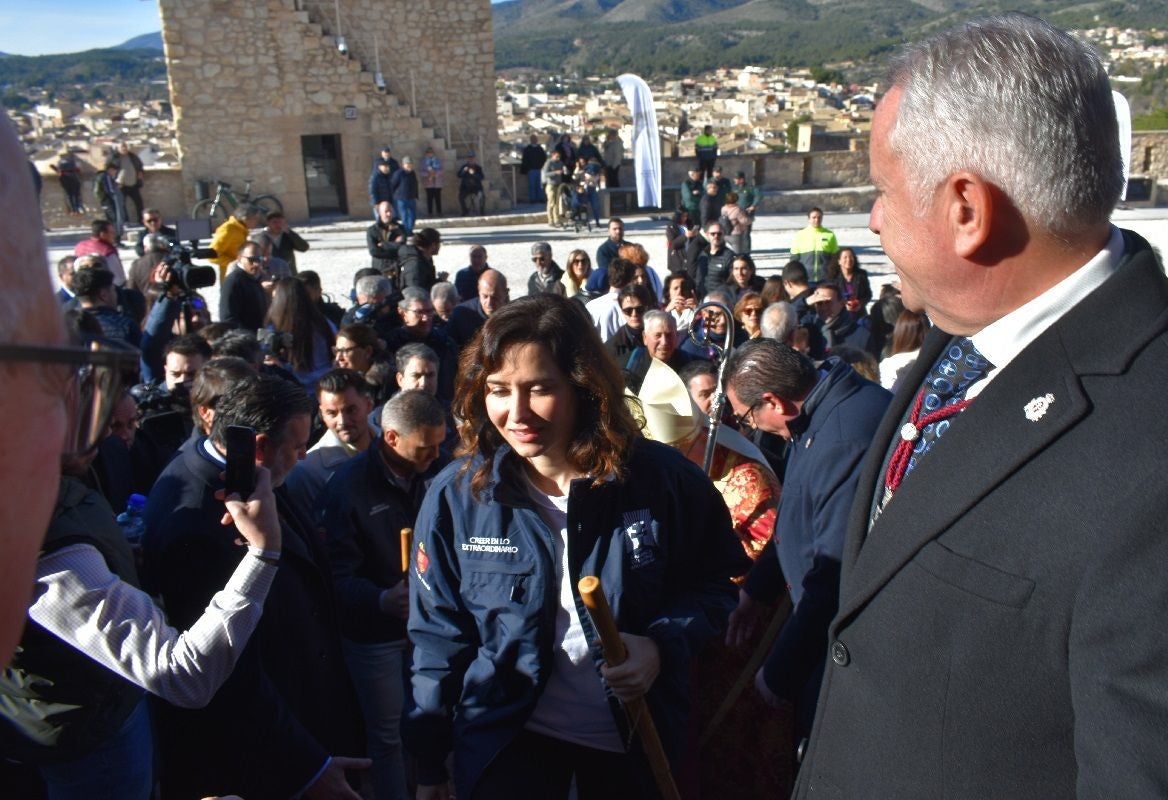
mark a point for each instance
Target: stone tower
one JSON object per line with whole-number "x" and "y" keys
{"x": 265, "y": 90}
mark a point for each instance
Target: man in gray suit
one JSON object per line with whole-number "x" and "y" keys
{"x": 1001, "y": 620}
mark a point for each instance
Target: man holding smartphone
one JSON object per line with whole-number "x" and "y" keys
{"x": 289, "y": 698}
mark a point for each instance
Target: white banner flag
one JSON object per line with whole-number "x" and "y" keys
{"x": 646, "y": 142}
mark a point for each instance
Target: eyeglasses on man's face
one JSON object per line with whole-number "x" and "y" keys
{"x": 745, "y": 420}
{"x": 96, "y": 374}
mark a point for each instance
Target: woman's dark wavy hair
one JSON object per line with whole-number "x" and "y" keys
{"x": 605, "y": 428}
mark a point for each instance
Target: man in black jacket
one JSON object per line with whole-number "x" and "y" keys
{"x": 243, "y": 302}
{"x": 470, "y": 186}
{"x": 384, "y": 238}
{"x": 285, "y": 720}
{"x": 371, "y": 500}
{"x": 534, "y": 157}
{"x": 714, "y": 264}
{"x": 1000, "y": 630}
{"x": 286, "y": 243}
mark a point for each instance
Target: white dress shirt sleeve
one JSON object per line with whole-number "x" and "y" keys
{"x": 81, "y": 602}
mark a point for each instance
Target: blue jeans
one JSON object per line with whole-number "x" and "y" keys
{"x": 534, "y": 189}
{"x": 407, "y": 212}
{"x": 121, "y": 768}
{"x": 594, "y": 201}
{"x": 376, "y": 670}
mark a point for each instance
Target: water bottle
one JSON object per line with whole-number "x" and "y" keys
{"x": 132, "y": 522}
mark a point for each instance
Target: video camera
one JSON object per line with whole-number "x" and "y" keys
{"x": 166, "y": 413}
{"x": 185, "y": 275}
{"x": 368, "y": 312}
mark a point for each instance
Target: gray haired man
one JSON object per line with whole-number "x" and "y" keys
{"x": 373, "y": 498}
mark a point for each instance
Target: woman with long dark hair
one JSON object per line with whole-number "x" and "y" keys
{"x": 293, "y": 312}
{"x": 907, "y": 337}
{"x": 555, "y": 482}
{"x": 844, "y": 271}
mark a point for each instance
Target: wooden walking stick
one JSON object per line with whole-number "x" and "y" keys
{"x": 407, "y": 543}
{"x": 637, "y": 710}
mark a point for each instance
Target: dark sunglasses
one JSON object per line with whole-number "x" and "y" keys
{"x": 629, "y": 311}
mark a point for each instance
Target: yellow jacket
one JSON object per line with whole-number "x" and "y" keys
{"x": 228, "y": 238}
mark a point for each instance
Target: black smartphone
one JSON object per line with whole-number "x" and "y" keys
{"x": 240, "y": 460}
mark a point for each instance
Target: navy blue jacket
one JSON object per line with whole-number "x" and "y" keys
{"x": 598, "y": 279}
{"x": 288, "y": 704}
{"x": 465, "y": 320}
{"x": 365, "y": 511}
{"x": 380, "y": 189}
{"x": 828, "y": 443}
{"x": 403, "y": 185}
{"x": 484, "y": 596}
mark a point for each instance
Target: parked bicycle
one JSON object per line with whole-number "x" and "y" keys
{"x": 225, "y": 201}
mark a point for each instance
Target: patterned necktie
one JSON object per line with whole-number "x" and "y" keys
{"x": 940, "y": 398}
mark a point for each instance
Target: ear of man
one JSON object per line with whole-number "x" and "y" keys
{"x": 970, "y": 205}
{"x": 779, "y": 404}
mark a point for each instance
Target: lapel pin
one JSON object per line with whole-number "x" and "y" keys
{"x": 1036, "y": 409}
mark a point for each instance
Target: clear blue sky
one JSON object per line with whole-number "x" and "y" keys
{"x": 36, "y": 27}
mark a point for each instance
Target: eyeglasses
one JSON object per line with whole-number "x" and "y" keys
{"x": 629, "y": 311}
{"x": 149, "y": 220}
{"x": 753, "y": 312}
{"x": 421, "y": 312}
{"x": 95, "y": 384}
{"x": 746, "y": 421}
{"x": 252, "y": 259}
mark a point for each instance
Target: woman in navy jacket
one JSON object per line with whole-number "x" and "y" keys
{"x": 556, "y": 483}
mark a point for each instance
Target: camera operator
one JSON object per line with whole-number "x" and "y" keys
{"x": 176, "y": 306}
{"x": 376, "y": 305}
{"x": 141, "y": 276}
{"x": 165, "y": 406}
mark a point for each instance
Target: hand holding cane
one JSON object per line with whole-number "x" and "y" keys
{"x": 407, "y": 543}
{"x": 637, "y": 710}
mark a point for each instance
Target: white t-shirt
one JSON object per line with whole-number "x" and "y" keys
{"x": 573, "y": 706}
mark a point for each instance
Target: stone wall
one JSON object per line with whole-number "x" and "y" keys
{"x": 163, "y": 190}
{"x": 248, "y": 80}
{"x": 1150, "y": 159}
{"x": 839, "y": 182}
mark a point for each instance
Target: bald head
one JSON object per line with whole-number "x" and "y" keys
{"x": 32, "y": 391}
{"x": 493, "y": 293}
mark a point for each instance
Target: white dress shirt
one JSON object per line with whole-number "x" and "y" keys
{"x": 85, "y": 605}
{"x": 1001, "y": 341}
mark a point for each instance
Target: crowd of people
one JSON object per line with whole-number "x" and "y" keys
{"x": 568, "y": 175}
{"x": 398, "y": 183}
{"x": 908, "y": 590}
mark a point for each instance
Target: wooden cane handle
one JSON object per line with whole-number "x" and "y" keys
{"x": 637, "y": 710}
{"x": 597, "y": 605}
{"x": 407, "y": 543}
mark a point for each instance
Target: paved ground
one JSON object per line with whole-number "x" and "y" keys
{"x": 338, "y": 249}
